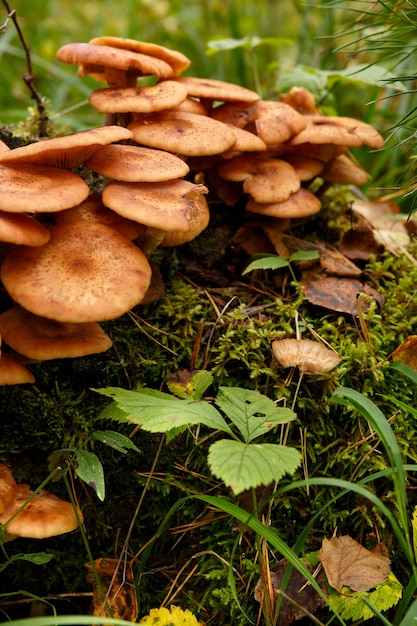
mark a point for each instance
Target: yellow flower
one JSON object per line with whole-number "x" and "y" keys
{"x": 172, "y": 617}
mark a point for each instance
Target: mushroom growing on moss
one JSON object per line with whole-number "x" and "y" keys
{"x": 311, "y": 357}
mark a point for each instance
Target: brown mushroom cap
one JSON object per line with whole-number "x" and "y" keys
{"x": 35, "y": 188}
{"x": 86, "y": 272}
{"x": 13, "y": 370}
{"x": 177, "y": 60}
{"x": 8, "y": 488}
{"x": 343, "y": 170}
{"x": 170, "y": 205}
{"x": 300, "y": 204}
{"x": 339, "y": 130}
{"x": 265, "y": 179}
{"x": 43, "y": 339}
{"x": 22, "y": 230}
{"x": 184, "y": 133}
{"x": 276, "y": 122}
{"x": 44, "y": 516}
{"x": 213, "y": 89}
{"x": 95, "y": 59}
{"x": 66, "y": 152}
{"x": 311, "y": 357}
{"x": 164, "y": 95}
{"x": 137, "y": 164}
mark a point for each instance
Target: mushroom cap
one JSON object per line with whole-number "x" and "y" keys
{"x": 35, "y": 188}
{"x": 22, "y": 230}
{"x": 265, "y": 179}
{"x": 93, "y": 210}
{"x": 8, "y": 488}
{"x": 3, "y": 148}
{"x": 213, "y": 89}
{"x": 311, "y": 357}
{"x": 341, "y": 169}
{"x": 94, "y": 59}
{"x": 276, "y": 122}
{"x": 177, "y": 60}
{"x": 169, "y": 205}
{"x": 184, "y": 133}
{"x": 339, "y": 130}
{"x": 13, "y": 370}
{"x": 137, "y": 164}
{"x": 43, "y": 339}
{"x": 245, "y": 141}
{"x": 300, "y": 204}
{"x": 44, "y": 516}
{"x": 86, "y": 272}
{"x": 66, "y": 152}
{"x": 164, "y": 95}
{"x": 198, "y": 221}
{"x": 306, "y": 167}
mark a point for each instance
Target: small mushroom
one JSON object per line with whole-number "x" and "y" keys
{"x": 8, "y": 488}
{"x": 311, "y": 357}
{"x": 299, "y": 204}
{"x": 44, "y": 515}
{"x": 21, "y": 229}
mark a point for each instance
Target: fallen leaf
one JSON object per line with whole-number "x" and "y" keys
{"x": 333, "y": 292}
{"x": 119, "y": 589}
{"x": 347, "y": 563}
{"x": 359, "y": 243}
{"x": 332, "y": 261}
{"x": 386, "y": 220}
{"x": 297, "y": 589}
{"x": 407, "y": 352}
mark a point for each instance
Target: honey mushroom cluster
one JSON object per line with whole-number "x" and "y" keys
{"x": 31, "y": 516}
{"x": 65, "y": 246}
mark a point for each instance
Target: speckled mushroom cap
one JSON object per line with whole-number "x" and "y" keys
{"x": 43, "y": 339}
{"x": 65, "y": 152}
{"x": 177, "y": 60}
{"x": 213, "y": 89}
{"x": 180, "y": 132}
{"x": 22, "y": 230}
{"x": 170, "y": 205}
{"x": 86, "y": 272}
{"x": 265, "y": 179}
{"x": 44, "y": 516}
{"x": 311, "y": 357}
{"x": 137, "y": 164}
{"x": 109, "y": 62}
{"x": 164, "y": 95}
{"x": 35, "y": 188}
{"x": 338, "y": 130}
{"x": 299, "y": 204}
{"x": 8, "y": 488}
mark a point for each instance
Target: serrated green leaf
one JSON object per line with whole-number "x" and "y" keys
{"x": 253, "y": 413}
{"x": 195, "y": 388}
{"x": 351, "y": 605}
{"x": 266, "y": 262}
{"x": 242, "y": 466}
{"x": 159, "y": 412}
{"x": 115, "y": 440}
{"x": 90, "y": 470}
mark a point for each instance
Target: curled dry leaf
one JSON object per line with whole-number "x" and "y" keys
{"x": 348, "y": 564}
{"x": 118, "y": 584}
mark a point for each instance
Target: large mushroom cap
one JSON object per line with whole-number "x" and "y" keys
{"x": 86, "y": 272}
{"x": 137, "y": 164}
{"x": 164, "y": 95}
{"x": 311, "y": 357}
{"x": 43, "y": 339}
{"x": 44, "y": 516}
{"x": 170, "y": 205}
{"x": 34, "y": 188}
{"x": 66, "y": 152}
{"x": 184, "y": 133}
{"x": 299, "y": 204}
{"x": 213, "y": 89}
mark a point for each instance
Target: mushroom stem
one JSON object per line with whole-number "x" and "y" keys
{"x": 151, "y": 240}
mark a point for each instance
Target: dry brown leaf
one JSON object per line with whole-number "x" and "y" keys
{"x": 332, "y": 261}
{"x": 118, "y": 586}
{"x": 407, "y": 352}
{"x": 333, "y": 292}
{"x": 383, "y": 217}
{"x": 360, "y": 243}
{"x": 348, "y": 564}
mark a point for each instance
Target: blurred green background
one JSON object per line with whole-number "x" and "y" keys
{"x": 264, "y": 45}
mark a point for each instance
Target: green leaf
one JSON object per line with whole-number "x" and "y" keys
{"x": 249, "y": 42}
{"x": 304, "y": 255}
{"x": 266, "y": 262}
{"x": 242, "y": 466}
{"x": 405, "y": 369}
{"x": 115, "y": 440}
{"x": 352, "y": 606}
{"x": 90, "y": 470}
{"x": 194, "y": 388}
{"x": 253, "y": 413}
{"x": 159, "y": 412}
{"x": 38, "y": 558}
